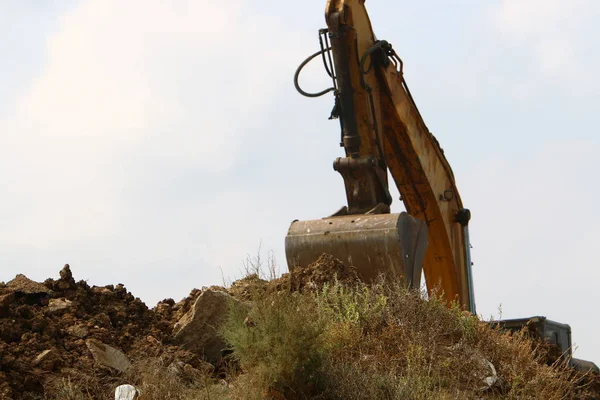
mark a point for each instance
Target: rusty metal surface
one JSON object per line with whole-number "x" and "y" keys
{"x": 392, "y": 244}
{"x": 377, "y": 105}
{"x": 365, "y": 181}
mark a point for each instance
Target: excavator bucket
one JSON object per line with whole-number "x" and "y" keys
{"x": 389, "y": 244}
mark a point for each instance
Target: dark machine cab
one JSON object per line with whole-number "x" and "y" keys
{"x": 552, "y": 332}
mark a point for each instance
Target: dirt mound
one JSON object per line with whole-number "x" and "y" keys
{"x": 62, "y": 328}
{"x": 325, "y": 270}
{"x": 24, "y": 285}
{"x": 249, "y": 287}
{"x": 46, "y": 330}
{"x": 100, "y": 337}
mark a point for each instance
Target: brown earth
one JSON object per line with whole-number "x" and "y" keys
{"x": 44, "y": 329}
{"x": 323, "y": 271}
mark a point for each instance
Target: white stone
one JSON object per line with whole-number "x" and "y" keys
{"x": 126, "y": 392}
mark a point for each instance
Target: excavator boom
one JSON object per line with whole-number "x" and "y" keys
{"x": 382, "y": 130}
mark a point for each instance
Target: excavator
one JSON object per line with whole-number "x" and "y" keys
{"x": 383, "y": 134}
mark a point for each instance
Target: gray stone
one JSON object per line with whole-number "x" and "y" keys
{"x": 57, "y": 305}
{"x": 197, "y": 330}
{"x": 491, "y": 377}
{"x": 108, "y": 356}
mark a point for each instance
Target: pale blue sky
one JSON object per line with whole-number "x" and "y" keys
{"x": 156, "y": 144}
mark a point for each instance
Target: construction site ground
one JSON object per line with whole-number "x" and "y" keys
{"x": 60, "y": 335}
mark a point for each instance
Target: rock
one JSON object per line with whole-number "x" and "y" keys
{"x": 492, "y": 376}
{"x": 22, "y": 284}
{"x": 126, "y": 392}
{"x": 66, "y": 274}
{"x": 66, "y": 280}
{"x": 46, "y": 360}
{"x": 197, "y": 329}
{"x": 108, "y": 356}
{"x": 486, "y": 371}
{"x": 176, "y": 368}
{"x": 80, "y": 330}
{"x": 57, "y": 305}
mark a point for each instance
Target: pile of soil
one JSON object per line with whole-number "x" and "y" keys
{"x": 325, "y": 269}
{"x": 44, "y": 329}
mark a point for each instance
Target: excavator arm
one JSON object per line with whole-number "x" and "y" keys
{"x": 383, "y": 130}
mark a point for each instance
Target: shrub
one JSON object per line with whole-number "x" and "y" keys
{"x": 279, "y": 344}
{"x": 381, "y": 341}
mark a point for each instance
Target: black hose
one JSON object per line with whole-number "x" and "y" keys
{"x": 323, "y": 47}
{"x": 297, "y": 75}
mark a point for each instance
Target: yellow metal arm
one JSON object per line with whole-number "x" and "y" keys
{"x": 380, "y": 121}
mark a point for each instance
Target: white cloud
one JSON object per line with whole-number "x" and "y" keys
{"x": 128, "y": 86}
{"x": 556, "y": 35}
{"x": 533, "y": 18}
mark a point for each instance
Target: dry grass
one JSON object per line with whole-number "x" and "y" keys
{"x": 381, "y": 341}
{"x": 155, "y": 380}
{"x": 78, "y": 385}
{"x": 353, "y": 342}
{"x": 68, "y": 389}
{"x": 411, "y": 348}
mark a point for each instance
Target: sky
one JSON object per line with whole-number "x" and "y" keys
{"x": 158, "y": 144}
